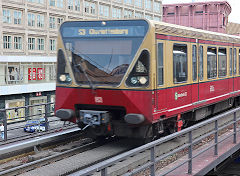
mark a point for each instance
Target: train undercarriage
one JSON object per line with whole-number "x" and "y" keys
{"x": 96, "y": 125}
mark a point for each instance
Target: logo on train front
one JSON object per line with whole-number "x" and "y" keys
{"x": 98, "y": 100}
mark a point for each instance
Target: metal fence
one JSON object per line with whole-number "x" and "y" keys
{"x": 232, "y": 122}
{"x": 29, "y": 125}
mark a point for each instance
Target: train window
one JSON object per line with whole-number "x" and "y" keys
{"x": 62, "y": 73}
{"x": 230, "y": 62}
{"x": 160, "y": 63}
{"x": 194, "y": 62}
{"x": 239, "y": 61}
{"x": 201, "y": 62}
{"x": 212, "y": 62}
{"x": 234, "y": 61}
{"x": 139, "y": 76}
{"x": 180, "y": 67}
{"x": 222, "y": 62}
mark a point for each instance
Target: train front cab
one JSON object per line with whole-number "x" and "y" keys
{"x": 113, "y": 99}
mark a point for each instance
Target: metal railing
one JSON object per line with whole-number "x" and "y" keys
{"x": 39, "y": 122}
{"x": 231, "y": 122}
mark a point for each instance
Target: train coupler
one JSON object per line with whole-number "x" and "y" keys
{"x": 92, "y": 118}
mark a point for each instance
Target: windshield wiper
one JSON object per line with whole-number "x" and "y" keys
{"x": 75, "y": 65}
{"x": 110, "y": 60}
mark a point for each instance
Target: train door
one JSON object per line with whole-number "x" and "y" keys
{"x": 160, "y": 91}
{"x": 195, "y": 79}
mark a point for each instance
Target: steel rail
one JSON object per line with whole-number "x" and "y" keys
{"x": 43, "y": 161}
{"x": 39, "y": 140}
{"x": 232, "y": 122}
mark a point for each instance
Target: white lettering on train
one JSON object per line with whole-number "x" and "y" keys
{"x": 179, "y": 95}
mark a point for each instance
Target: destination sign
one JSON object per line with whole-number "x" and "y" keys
{"x": 118, "y": 31}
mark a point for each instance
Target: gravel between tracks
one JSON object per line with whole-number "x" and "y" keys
{"x": 81, "y": 160}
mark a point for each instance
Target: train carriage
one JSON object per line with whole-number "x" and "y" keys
{"x": 141, "y": 78}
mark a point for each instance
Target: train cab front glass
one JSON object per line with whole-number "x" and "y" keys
{"x": 100, "y": 52}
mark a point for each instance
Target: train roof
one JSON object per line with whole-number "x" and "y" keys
{"x": 167, "y": 28}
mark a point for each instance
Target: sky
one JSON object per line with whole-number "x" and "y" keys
{"x": 235, "y": 4}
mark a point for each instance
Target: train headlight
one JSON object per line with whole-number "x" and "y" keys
{"x": 63, "y": 78}
{"x": 134, "y": 80}
{"x": 142, "y": 80}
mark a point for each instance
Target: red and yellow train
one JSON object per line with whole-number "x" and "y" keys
{"x": 141, "y": 78}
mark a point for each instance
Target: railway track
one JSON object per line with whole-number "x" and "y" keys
{"x": 81, "y": 157}
{"x": 34, "y": 135}
{"x": 64, "y": 162}
{"x": 46, "y": 157}
{"x": 133, "y": 162}
{"x": 15, "y": 154}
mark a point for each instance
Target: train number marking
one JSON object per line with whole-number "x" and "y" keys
{"x": 98, "y": 100}
{"x": 212, "y": 89}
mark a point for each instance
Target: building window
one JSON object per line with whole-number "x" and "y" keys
{"x": 89, "y": 7}
{"x": 59, "y": 21}
{"x": 77, "y": 5}
{"x": 157, "y": 18}
{"x": 180, "y": 64}
{"x": 104, "y": 10}
{"x": 148, "y": 16}
{"x": 40, "y": 21}
{"x": 138, "y": 15}
{"x": 222, "y": 62}
{"x": 31, "y": 43}
{"x": 52, "y": 3}
{"x": 52, "y": 45}
{"x": 17, "y": 17}
{"x": 52, "y": 72}
{"x": 7, "y": 42}
{"x": 36, "y": 1}
{"x": 156, "y": 7}
{"x": 60, "y": 3}
{"x": 40, "y": 44}
{"x": 148, "y": 4}
{"x": 212, "y": 62}
{"x": 31, "y": 19}
{"x": 6, "y": 16}
{"x": 52, "y": 24}
{"x": 70, "y": 4}
{"x": 138, "y": 3}
{"x": 128, "y": 13}
{"x": 119, "y": 1}
{"x": 18, "y": 43}
{"x": 116, "y": 12}
{"x": 128, "y": 2}
{"x": 39, "y": 1}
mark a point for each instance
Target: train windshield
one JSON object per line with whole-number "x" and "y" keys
{"x": 101, "y": 52}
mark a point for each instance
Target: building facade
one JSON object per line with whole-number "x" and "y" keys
{"x": 233, "y": 29}
{"x": 28, "y": 31}
{"x": 212, "y": 16}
